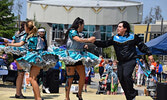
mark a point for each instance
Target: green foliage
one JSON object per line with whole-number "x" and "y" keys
{"x": 10, "y": 59}
{"x": 109, "y": 52}
{"x": 96, "y": 69}
{"x": 7, "y": 23}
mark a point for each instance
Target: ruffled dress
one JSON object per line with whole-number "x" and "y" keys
{"x": 74, "y": 52}
{"x": 36, "y": 56}
{"x": 19, "y": 51}
{"x": 2, "y": 47}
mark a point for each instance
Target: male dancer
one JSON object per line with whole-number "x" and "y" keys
{"x": 125, "y": 47}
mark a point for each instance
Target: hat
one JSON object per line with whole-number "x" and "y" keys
{"x": 41, "y": 30}
{"x": 109, "y": 60}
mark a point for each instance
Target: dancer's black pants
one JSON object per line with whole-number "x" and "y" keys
{"x": 125, "y": 70}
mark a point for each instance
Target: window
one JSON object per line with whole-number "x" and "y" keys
{"x": 106, "y": 32}
{"x": 88, "y": 30}
{"x": 58, "y": 31}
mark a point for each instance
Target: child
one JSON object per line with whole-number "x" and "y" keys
{"x": 114, "y": 81}
{"x": 87, "y": 71}
{"x": 108, "y": 78}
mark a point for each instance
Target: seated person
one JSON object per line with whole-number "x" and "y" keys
{"x": 13, "y": 66}
{"x": 3, "y": 58}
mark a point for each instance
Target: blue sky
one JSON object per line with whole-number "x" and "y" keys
{"x": 147, "y": 4}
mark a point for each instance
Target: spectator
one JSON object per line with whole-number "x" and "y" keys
{"x": 108, "y": 77}
{"x": 140, "y": 74}
{"x": 153, "y": 64}
{"x": 3, "y": 59}
{"x": 58, "y": 65}
{"x": 13, "y": 65}
{"x": 101, "y": 68}
{"x": 41, "y": 34}
{"x": 115, "y": 64}
{"x": 63, "y": 67}
{"x": 109, "y": 65}
{"x": 106, "y": 65}
{"x": 159, "y": 70}
{"x": 87, "y": 72}
{"x": 114, "y": 81}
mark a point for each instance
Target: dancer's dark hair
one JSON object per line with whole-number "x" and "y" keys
{"x": 126, "y": 25}
{"x": 21, "y": 29}
{"x": 78, "y": 21}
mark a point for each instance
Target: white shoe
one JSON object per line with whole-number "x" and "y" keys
{"x": 47, "y": 90}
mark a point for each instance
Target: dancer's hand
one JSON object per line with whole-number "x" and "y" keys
{"x": 86, "y": 46}
{"x": 6, "y": 44}
{"x": 92, "y": 39}
{"x": 6, "y": 40}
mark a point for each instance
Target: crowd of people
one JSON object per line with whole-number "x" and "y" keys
{"x": 33, "y": 56}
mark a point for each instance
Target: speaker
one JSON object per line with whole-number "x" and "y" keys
{"x": 161, "y": 91}
{"x": 52, "y": 80}
{"x": 54, "y": 86}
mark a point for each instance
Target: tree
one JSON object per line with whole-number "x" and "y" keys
{"x": 109, "y": 52}
{"x": 154, "y": 14}
{"x": 7, "y": 23}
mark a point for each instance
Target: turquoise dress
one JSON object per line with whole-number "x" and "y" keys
{"x": 2, "y": 47}
{"x": 75, "y": 52}
{"x": 19, "y": 51}
{"x": 36, "y": 56}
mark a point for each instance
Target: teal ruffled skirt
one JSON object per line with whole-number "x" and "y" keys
{"x": 43, "y": 59}
{"x": 2, "y": 47}
{"x": 70, "y": 57}
{"x": 19, "y": 51}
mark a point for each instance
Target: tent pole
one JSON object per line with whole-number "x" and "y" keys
{"x": 147, "y": 65}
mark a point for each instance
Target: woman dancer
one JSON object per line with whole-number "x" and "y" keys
{"x": 18, "y": 37}
{"x": 35, "y": 58}
{"x": 75, "y": 57}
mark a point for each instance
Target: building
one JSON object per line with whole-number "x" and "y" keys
{"x": 101, "y": 16}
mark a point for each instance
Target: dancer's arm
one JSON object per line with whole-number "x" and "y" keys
{"x": 16, "y": 44}
{"x": 104, "y": 44}
{"x": 142, "y": 47}
{"x": 84, "y": 40}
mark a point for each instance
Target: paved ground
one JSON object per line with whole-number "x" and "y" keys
{"x": 7, "y": 92}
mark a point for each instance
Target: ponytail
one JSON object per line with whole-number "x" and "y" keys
{"x": 78, "y": 21}
{"x": 32, "y": 28}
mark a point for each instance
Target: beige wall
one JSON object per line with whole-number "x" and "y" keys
{"x": 98, "y": 16}
{"x": 138, "y": 29}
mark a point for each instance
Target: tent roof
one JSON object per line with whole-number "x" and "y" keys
{"x": 158, "y": 46}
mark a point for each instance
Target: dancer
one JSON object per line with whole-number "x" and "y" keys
{"x": 17, "y": 52}
{"x": 3, "y": 40}
{"x": 125, "y": 47}
{"x": 35, "y": 58}
{"x": 75, "y": 57}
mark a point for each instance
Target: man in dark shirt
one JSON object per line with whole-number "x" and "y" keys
{"x": 125, "y": 47}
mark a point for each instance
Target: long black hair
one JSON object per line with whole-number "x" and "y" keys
{"x": 75, "y": 25}
{"x": 126, "y": 25}
{"x": 21, "y": 29}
